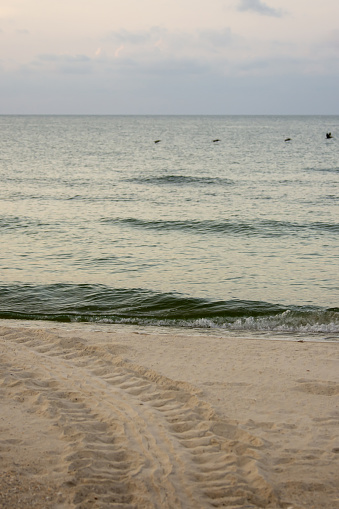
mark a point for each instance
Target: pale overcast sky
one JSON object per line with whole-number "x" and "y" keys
{"x": 169, "y": 56}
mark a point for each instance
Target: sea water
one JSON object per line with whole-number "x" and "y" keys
{"x": 99, "y": 223}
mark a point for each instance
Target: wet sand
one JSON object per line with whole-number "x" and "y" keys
{"x": 129, "y": 418}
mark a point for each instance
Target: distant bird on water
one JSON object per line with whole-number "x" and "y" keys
{"x": 215, "y": 140}
{"x": 329, "y": 135}
{"x": 288, "y": 139}
{"x": 157, "y": 141}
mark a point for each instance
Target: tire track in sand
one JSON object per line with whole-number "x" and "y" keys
{"x": 133, "y": 438}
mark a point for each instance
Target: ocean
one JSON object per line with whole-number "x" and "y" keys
{"x": 100, "y": 224}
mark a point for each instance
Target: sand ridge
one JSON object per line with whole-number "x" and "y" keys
{"x": 103, "y": 430}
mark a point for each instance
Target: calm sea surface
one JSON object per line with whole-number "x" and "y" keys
{"x": 99, "y": 223}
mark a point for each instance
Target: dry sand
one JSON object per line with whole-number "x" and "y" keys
{"x": 124, "y": 418}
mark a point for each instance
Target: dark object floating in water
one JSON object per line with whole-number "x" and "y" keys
{"x": 288, "y": 139}
{"x": 215, "y": 140}
{"x": 157, "y": 141}
{"x": 329, "y": 135}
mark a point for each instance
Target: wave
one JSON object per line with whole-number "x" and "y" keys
{"x": 102, "y": 304}
{"x": 265, "y": 228}
{"x": 24, "y": 223}
{"x": 324, "y": 170}
{"x": 183, "y": 180}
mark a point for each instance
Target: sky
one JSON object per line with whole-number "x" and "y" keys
{"x": 229, "y": 57}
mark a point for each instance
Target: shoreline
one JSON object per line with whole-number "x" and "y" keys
{"x": 92, "y": 417}
{"x": 220, "y": 332}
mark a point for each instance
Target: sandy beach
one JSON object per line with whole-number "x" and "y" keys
{"x": 132, "y": 418}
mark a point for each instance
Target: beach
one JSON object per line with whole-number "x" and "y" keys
{"x": 149, "y": 418}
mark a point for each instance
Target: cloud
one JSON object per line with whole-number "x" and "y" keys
{"x": 119, "y": 50}
{"x": 333, "y": 39}
{"x": 128, "y": 44}
{"x": 64, "y": 63}
{"x": 218, "y": 38}
{"x": 64, "y": 57}
{"x": 176, "y": 67}
{"x": 136, "y": 37}
{"x": 166, "y": 93}
{"x": 159, "y": 44}
{"x": 259, "y": 7}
